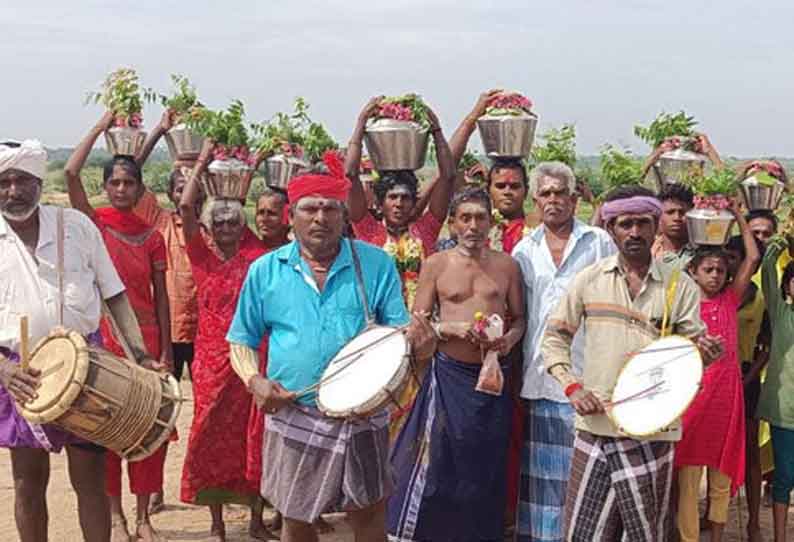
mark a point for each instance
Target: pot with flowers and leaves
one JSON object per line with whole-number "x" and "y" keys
{"x": 763, "y": 185}
{"x": 709, "y": 223}
{"x": 183, "y": 104}
{"x": 123, "y": 96}
{"x": 683, "y": 156}
{"x": 397, "y": 135}
{"x": 507, "y": 129}
{"x": 229, "y": 173}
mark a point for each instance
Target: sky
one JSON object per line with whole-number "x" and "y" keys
{"x": 604, "y": 65}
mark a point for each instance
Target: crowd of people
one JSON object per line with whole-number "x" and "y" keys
{"x": 255, "y": 315}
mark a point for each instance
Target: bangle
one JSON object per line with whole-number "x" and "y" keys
{"x": 437, "y": 330}
{"x": 572, "y": 388}
{"x": 354, "y": 143}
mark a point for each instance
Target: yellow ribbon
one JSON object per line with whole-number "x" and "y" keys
{"x": 669, "y": 298}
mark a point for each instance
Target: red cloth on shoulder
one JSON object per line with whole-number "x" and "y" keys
{"x": 124, "y": 222}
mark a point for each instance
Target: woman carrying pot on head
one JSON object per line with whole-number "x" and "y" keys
{"x": 214, "y": 472}
{"x": 138, "y": 253}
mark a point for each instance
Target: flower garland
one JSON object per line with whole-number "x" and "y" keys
{"x": 408, "y": 254}
{"x": 499, "y": 226}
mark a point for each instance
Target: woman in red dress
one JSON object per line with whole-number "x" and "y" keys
{"x": 214, "y": 472}
{"x": 138, "y": 252}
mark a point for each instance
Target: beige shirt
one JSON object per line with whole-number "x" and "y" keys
{"x": 29, "y": 286}
{"x": 615, "y": 325}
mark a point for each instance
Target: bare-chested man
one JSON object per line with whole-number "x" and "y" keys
{"x": 450, "y": 456}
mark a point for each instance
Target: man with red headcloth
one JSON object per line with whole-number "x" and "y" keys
{"x": 313, "y": 463}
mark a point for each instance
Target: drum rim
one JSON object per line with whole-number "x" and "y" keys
{"x": 381, "y": 398}
{"x": 610, "y": 412}
{"x": 132, "y": 454}
{"x": 60, "y": 404}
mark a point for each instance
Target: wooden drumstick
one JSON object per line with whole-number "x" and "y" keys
{"x": 24, "y": 344}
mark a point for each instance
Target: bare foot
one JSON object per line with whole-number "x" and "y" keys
{"x": 118, "y": 529}
{"x": 323, "y": 527}
{"x": 157, "y": 504}
{"x": 275, "y": 523}
{"x": 754, "y": 534}
{"x": 146, "y": 533}
{"x": 257, "y": 529}
{"x": 218, "y": 533}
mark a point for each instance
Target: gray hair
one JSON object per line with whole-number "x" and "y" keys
{"x": 556, "y": 170}
{"x": 223, "y": 209}
{"x": 270, "y": 192}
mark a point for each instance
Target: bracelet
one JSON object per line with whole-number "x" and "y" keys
{"x": 437, "y": 330}
{"x": 354, "y": 143}
{"x": 572, "y": 388}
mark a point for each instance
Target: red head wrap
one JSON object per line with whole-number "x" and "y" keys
{"x": 334, "y": 185}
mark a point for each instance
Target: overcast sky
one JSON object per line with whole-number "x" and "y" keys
{"x": 603, "y": 65}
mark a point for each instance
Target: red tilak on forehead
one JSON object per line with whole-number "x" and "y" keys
{"x": 509, "y": 175}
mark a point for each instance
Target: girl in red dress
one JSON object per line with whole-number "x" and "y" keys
{"x": 214, "y": 472}
{"x": 713, "y": 425}
{"x": 138, "y": 252}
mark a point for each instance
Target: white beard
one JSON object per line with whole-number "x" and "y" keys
{"x": 21, "y": 217}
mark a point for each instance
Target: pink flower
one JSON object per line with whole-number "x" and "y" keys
{"x": 511, "y": 101}
{"x": 136, "y": 120}
{"x": 718, "y": 202}
{"x": 220, "y": 152}
{"x": 396, "y": 111}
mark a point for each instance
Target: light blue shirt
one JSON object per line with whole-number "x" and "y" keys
{"x": 306, "y": 327}
{"x": 544, "y": 286}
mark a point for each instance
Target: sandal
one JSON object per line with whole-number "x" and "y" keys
{"x": 118, "y": 530}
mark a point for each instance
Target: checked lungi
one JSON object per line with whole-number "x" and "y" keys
{"x": 619, "y": 486}
{"x": 313, "y": 464}
{"x": 545, "y": 467}
{"x": 450, "y": 459}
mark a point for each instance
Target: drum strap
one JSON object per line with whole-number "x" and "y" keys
{"x": 60, "y": 240}
{"x": 360, "y": 283}
{"x": 669, "y": 299}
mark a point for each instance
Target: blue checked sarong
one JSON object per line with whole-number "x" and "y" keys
{"x": 545, "y": 467}
{"x": 450, "y": 459}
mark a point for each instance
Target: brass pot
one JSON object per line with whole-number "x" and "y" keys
{"x": 123, "y": 140}
{"x": 395, "y": 144}
{"x": 280, "y": 169}
{"x": 183, "y": 144}
{"x": 709, "y": 226}
{"x": 507, "y": 136}
{"x": 761, "y": 196}
{"x": 227, "y": 179}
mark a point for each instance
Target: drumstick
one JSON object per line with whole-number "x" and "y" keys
{"x": 349, "y": 359}
{"x": 639, "y": 395}
{"x": 24, "y": 346}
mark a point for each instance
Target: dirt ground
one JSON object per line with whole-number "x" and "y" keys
{"x": 186, "y": 523}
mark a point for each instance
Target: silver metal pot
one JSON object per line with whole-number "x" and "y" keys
{"x": 507, "y": 136}
{"x": 183, "y": 144}
{"x": 279, "y": 169}
{"x": 677, "y": 166}
{"x": 761, "y": 196}
{"x": 227, "y": 179}
{"x": 396, "y": 144}
{"x": 122, "y": 140}
{"x": 709, "y": 226}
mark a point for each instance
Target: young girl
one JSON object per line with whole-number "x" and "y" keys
{"x": 776, "y": 404}
{"x": 713, "y": 425}
{"x": 138, "y": 252}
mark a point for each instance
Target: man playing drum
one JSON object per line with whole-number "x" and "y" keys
{"x": 305, "y": 297}
{"x": 29, "y": 241}
{"x": 451, "y": 455}
{"x": 550, "y": 257}
{"x": 620, "y": 485}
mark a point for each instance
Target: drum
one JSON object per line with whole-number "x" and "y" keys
{"x": 656, "y": 386}
{"x": 102, "y": 398}
{"x": 366, "y": 375}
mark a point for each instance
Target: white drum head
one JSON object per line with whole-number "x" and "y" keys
{"x": 358, "y": 380}
{"x": 673, "y": 365}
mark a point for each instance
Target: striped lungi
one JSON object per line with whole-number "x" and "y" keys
{"x": 545, "y": 467}
{"x": 619, "y": 486}
{"x": 313, "y": 464}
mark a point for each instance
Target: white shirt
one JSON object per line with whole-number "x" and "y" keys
{"x": 31, "y": 288}
{"x": 544, "y": 286}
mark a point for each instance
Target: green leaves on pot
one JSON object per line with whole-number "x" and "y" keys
{"x": 183, "y": 99}
{"x": 721, "y": 181}
{"x": 295, "y": 129}
{"x": 666, "y": 125}
{"x": 619, "y": 167}
{"x": 765, "y": 179}
{"x": 121, "y": 93}
{"x": 558, "y": 144}
{"x": 224, "y": 127}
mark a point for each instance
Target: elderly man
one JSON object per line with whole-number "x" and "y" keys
{"x": 313, "y": 463}
{"x": 620, "y": 486}
{"x": 451, "y": 455}
{"x": 29, "y": 286}
{"x": 550, "y": 257}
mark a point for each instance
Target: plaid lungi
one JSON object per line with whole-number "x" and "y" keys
{"x": 619, "y": 486}
{"x": 545, "y": 467}
{"x": 312, "y": 464}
